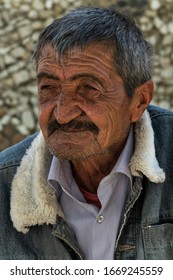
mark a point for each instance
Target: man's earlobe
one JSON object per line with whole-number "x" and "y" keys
{"x": 141, "y": 99}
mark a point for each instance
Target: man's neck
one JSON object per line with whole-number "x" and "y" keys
{"x": 89, "y": 172}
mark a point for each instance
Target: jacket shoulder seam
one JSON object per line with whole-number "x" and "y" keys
{"x": 161, "y": 114}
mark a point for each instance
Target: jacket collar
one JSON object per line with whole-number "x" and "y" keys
{"x": 34, "y": 202}
{"x": 143, "y": 161}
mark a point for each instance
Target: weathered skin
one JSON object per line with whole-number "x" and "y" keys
{"x": 84, "y": 86}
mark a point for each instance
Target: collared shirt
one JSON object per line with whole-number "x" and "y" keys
{"x": 95, "y": 229}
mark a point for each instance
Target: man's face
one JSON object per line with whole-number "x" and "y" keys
{"x": 84, "y": 109}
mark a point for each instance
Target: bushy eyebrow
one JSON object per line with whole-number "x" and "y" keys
{"x": 47, "y": 75}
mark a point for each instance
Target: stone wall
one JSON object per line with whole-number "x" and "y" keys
{"x": 20, "y": 24}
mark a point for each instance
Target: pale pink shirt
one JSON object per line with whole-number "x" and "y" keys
{"x": 95, "y": 229}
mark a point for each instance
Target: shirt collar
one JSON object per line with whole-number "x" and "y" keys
{"x": 122, "y": 164}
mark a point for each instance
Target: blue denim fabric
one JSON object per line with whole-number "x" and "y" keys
{"x": 146, "y": 231}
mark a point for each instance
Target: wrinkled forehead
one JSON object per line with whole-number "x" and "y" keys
{"x": 94, "y": 60}
{"x": 100, "y": 51}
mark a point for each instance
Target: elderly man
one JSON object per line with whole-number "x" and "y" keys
{"x": 90, "y": 185}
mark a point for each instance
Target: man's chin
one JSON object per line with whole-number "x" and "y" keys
{"x": 69, "y": 151}
{"x": 72, "y": 148}
{"x": 69, "y": 155}
{"x": 77, "y": 154}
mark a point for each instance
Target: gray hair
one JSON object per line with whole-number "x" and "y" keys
{"x": 132, "y": 54}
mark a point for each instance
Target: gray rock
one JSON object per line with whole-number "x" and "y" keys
{"x": 155, "y": 4}
{"x": 18, "y": 52}
{"x": 170, "y": 27}
{"x": 168, "y": 72}
{"x": 20, "y": 77}
{"x": 37, "y": 5}
{"x": 28, "y": 120}
{"x": 22, "y": 129}
{"x": 25, "y": 31}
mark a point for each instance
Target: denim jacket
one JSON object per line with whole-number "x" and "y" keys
{"x": 33, "y": 225}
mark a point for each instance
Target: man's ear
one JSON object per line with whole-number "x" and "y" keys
{"x": 141, "y": 99}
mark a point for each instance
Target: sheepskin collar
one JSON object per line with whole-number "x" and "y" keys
{"x": 34, "y": 202}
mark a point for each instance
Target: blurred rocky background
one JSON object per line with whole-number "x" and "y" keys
{"x": 20, "y": 24}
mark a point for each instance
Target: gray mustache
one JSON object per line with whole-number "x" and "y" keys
{"x": 74, "y": 124}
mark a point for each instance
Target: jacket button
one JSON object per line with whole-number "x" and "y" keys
{"x": 100, "y": 219}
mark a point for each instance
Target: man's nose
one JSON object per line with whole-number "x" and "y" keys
{"x": 67, "y": 107}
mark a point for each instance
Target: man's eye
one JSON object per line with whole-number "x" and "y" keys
{"x": 54, "y": 90}
{"x": 46, "y": 87}
{"x": 89, "y": 87}
{"x": 48, "y": 93}
{"x": 90, "y": 92}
